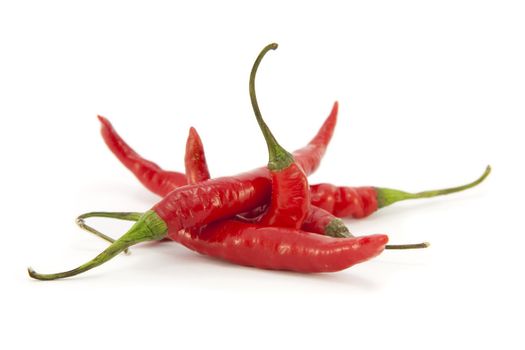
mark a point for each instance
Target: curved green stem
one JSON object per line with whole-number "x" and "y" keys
{"x": 124, "y": 215}
{"x": 387, "y": 196}
{"x": 149, "y": 227}
{"x": 129, "y": 216}
{"x": 279, "y": 157}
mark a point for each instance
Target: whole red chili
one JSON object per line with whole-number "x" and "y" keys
{"x": 290, "y": 199}
{"x": 359, "y": 202}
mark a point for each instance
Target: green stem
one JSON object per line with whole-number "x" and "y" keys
{"x": 149, "y": 227}
{"x": 279, "y": 157}
{"x": 129, "y": 216}
{"x": 408, "y": 246}
{"x": 387, "y": 196}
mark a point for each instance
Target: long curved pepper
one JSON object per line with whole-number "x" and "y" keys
{"x": 290, "y": 200}
{"x": 360, "y": 202}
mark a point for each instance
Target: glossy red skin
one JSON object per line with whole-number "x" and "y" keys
{"x": 153, "y": 177}
{"x": 356, "y": 202}
{"x": 195, "y": 205}
{"x": 195, "y": 159}
{"x": 289, "y": 200}
{"x": 310, "y": 156}
{"x": 317, "y": 220}
{"x": 278, "y": 248}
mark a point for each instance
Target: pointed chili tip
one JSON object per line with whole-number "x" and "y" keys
{"x": 334, "y": 111}
{"x": 193, "y": 132}
{"x": 377, "y": 239}
{"x": 383, "y": 239}
{"x": 103, "y": 120}
{"x": 376, "y": 242}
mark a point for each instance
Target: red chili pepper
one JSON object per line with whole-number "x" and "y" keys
{"x": 359, "y": 202}
{"x": 290, "y": 199}
{"x": 280, "y": 248}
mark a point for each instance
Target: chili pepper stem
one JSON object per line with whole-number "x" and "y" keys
{"x": 149, "y": 227}
{"x": 129, "y": 216}
{"x": 408, "y": 246}
{"x": 388, "y": 196}
{"x": 279, "y": 157}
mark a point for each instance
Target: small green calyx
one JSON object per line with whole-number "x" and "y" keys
{"x": 279, "y": 160}
{"x": 388, "y": 196}
{"x": 157, "y": 227}
{"x": 149, "y": 227}
{"x": 337, "y": 228}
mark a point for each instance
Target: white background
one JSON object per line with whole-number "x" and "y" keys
{"x": 429, "y": 92}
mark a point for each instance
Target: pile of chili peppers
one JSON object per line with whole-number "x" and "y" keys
{"x": 269, "y": 218}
